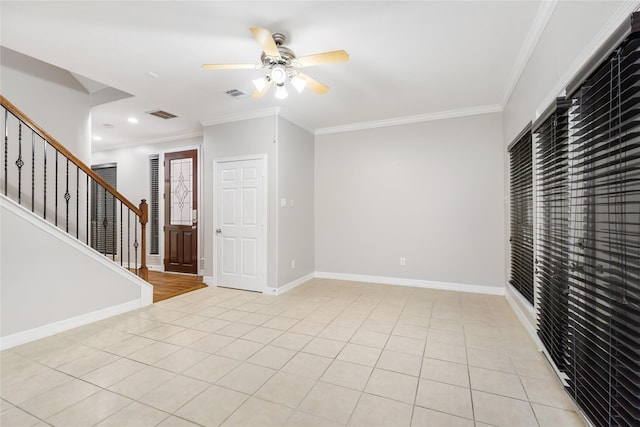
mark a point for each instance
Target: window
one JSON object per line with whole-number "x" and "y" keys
{"x": 552, "y": 214}
{"x": 588, "y": 236}
{"x": 604, "y": 240}
{"x": 103, "y": 211}
{"x": 521, "y": 214}
{"x": 154, "y": 229}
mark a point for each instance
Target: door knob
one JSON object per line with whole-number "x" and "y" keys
{"x": 218, "y": 231}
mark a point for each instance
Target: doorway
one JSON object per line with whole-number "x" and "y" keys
{"x": 181, "y": 212}
{"x": 241, "y": 227}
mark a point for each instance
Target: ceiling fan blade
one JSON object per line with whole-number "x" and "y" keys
{"x": 230, "y": 66}
{"x": 259, "y": 94}
{"x": 265, "y": 40}
{"x": 323, "y": 58}
{"x": 313, "y": 84}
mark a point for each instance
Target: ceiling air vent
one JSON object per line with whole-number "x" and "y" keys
{"x": 236, "y": 93}
{"x": 162, "y": 114}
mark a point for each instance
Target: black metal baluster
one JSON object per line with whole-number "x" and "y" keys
{"x": 121, "y": 240}
{"x": 19, "y": 163}
{"x": 114, "y": 244}
{"x": 135, "y": 244}
{"x": 56, "y": 199}
{"x": 94, "y": 216}
{"x": 105, "y": 221}
{"x": 128, "y": 239}
{"x": 77, "y": 202}
{"x": 33, "y": 167}
{"x": 6, "y": 149}
{"x": 87, "y": 212}
{"x": 67, "y": 197}
{"x": 44, "y": 177}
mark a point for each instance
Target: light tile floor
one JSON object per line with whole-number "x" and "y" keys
{"x": 328, "y": 353}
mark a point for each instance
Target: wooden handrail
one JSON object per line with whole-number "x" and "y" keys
{"x": 142, "y": 211}
{"x": 62, "y": 149}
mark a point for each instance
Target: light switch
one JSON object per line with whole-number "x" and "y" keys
{"x": 283, "y": 203}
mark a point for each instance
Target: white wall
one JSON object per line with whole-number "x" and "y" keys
{"x": 133, "y": 179}
{"x": 429, "y": 192}
{"x": 60, "y": 284}
{"x": 296, "y": 186}
{"x": 56, "y": 102}
{"x": 241, "y": 138}
{"x": 51, "y": 97}
{"x": 563, "y": 49}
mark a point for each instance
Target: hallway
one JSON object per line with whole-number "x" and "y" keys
{"x": 169, "y": 285}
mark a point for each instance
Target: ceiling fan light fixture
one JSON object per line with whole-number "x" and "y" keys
{"x": 281, "y": 92}
{"x": 260, "y": 83}
{"x": 298, "y": 83}
{"x": 278, "y": 74}
{"x": 282, "y": 65}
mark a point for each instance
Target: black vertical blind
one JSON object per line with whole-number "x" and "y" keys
{"x": 154, "y": 207}
{"x": 552, "y": 219}
{"x": 604, "y": 241}
{"x": 521, "y": 214}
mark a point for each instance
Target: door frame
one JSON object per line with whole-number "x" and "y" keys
{"x": 216, "y": 213}
{"x": 161, "y": 213}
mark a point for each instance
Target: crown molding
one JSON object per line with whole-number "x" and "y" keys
{"x": 623, "y": 13}
{"x": 449, "y": 114}
{"x": 269, "y": 112}
{"x": 229, "y": 118}
{"x": 145, "y": 142}
{"x": 293, "y": 119}
{"x": 545, "y": 10}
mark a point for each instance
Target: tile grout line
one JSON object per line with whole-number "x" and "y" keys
{"x": 354, "y": 298}
{"x": 466, "y": 353}
{"x": 424, "y": 350}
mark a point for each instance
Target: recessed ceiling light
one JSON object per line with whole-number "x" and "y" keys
{"x": 132, "y": 120}
{"x": 97, "y": 138}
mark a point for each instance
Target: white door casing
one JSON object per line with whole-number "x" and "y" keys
{"x": 240, "y": 231}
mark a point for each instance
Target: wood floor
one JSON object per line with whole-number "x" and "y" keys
{"x": 168, "y": 285}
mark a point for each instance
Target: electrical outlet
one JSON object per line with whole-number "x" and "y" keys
{"x": 293, "y": 263}
{"x": 403, "y": 261}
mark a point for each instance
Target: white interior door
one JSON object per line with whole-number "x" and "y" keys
{"x": 240, "y": 232}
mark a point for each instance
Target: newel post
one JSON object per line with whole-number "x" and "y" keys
{"x": 144, "y": 208}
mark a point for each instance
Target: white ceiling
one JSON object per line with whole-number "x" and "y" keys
{"x": 406, "y": 58}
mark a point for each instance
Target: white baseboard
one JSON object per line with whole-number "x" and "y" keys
{"x": 285, "y": 288}
{"x": 428, "y": 284}
{"x": 64, "y": 325}
{"x": 209, "y": 281}
{"x": 517, "y": 308}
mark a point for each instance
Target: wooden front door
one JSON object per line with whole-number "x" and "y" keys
{"x": 181, "y": 212}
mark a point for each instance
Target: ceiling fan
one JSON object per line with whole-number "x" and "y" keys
{"x": 283, "y": 65}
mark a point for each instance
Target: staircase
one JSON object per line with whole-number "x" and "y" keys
{"x": 73, "y": 248}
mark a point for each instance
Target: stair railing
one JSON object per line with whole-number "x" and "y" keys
{"x": 42, "y": 175}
